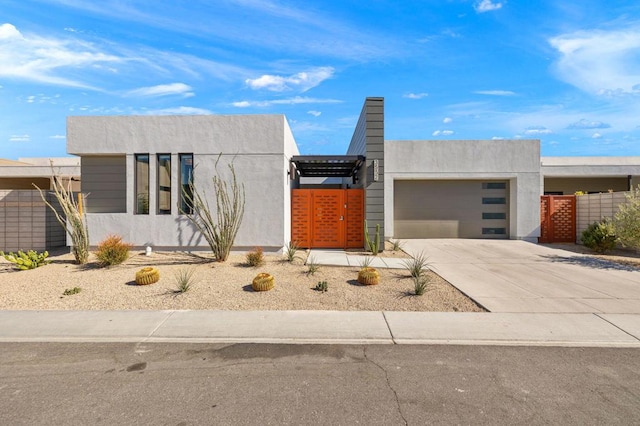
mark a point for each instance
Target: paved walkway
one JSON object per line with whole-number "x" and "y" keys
{"x": 339, "y": 327}
{"x": 516, "y": 276}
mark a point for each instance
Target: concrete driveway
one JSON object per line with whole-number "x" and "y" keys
{"x": 516, "y": 276}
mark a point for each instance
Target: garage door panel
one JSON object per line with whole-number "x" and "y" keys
{"x": 451, "y": 209}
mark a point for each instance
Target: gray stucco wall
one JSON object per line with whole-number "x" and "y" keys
{"x": 517, "y": 161}
{"x": 259, "y": 146}
{"x": 368, "y": 140}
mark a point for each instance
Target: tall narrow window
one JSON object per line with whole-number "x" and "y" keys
{"x": 164, "y": 183}
{"x": 186, "y": 178}
{"x": 142, "y": 183}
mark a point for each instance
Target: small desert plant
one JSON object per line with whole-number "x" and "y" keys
{"x": 365, "y": 262}
{"x": 72, "y": 218}
{"x": 420, "y": 284}
{"x": 599, "y": 236}
{"x": 112, "y": 251}
{"x": 255, "y": 257}
{"x": 29, "y": 260}
{"x": 184, "y": 280}
{"x": 396, "y": 245}
{"x": 148, "y": 275}
{"x": 312, "y": 266}
{"x": 263, "y": 282}
{"x": 219, "y": 228}
{"x": 291, "y": 251}
{"x": 70, "y": 291}
{"x": 416, "y": 265}
{"x": 322, "y": 286}
{"x": 372, "y": 246}
{"x": 627, "y": 220}
{"x": 368, "y": 276}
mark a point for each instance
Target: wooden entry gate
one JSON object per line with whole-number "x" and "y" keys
{"x": 327, "y": 218}
{"x": 557, "y": 219}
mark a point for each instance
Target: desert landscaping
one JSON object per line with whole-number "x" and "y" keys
{"x": 217, "y": 285}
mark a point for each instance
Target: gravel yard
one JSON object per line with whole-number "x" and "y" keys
{"x": 223, "y": 286}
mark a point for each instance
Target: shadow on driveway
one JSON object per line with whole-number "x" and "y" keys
{"x": 590, "y": 262}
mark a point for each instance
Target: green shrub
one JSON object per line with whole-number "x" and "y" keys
{"x": 184, "y": 280}
{"x": 290, "y": 251}
{"x": 29, "y": 260}
{"x": 420, "y": 284}
{"x": 322, "y": 286}
{"x": 599, "y": 236}
{"x": 417, "y": 265}
{"x": 627, "y": 220}
{"x": 70, "y": 291}
{"x": 312, "y": 266}
{"x": 112, "y": 251}
{"x": 255, "y": 257}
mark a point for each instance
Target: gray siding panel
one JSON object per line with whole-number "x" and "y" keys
{"x": 105, "y": 183}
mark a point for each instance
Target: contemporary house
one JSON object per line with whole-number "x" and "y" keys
{"x": 134, "y": 169}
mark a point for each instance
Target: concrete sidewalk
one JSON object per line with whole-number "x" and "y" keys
{"x": 328, "y": 327}
{"x": 341, "y": 258}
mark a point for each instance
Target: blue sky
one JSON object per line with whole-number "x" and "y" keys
{"x": 564, "y": 72}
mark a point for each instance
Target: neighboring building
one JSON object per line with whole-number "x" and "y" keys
{"x": 26, "y": 172}
{"x": 134, "y": 168}
{"x": 26, "y": 223}
{"x": 568, "y": 175}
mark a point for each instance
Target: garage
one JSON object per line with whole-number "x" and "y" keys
{"x": 451, "y": 209}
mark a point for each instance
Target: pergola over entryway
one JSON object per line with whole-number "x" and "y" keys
{"x": 327, "y": 217}
{"x": 327, "y": 165}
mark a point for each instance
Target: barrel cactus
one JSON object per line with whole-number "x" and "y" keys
{"x": 147, "y": 275}
{"x": 263, "y": 282}
{"x": 368, "y": 276}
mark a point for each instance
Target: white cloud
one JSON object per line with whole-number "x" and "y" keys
{"x": 495, "y": 92}
{"x": 600, "y": 62}
{"x": 19, "y": 138}
{"x": 182, "y": 110}
{"x": 447, "y": 120}
{"x": 587, "y": 124}
{"x": 289, "y": 101}
{"x": 57, "y": 137}
{"x": 163, "y": 90}
{"x": 596, "y": 135}
{"x": 415, "y": 95}
{"x": 497, "y": 138}
{"x": 29, "y": 57}
{"x": 301, "y": 81}
{"x": 314, "y": 113}
{"x": 487, "y": 6}
{"x": 442, "y": 133}
{"x": 537, "y": 130}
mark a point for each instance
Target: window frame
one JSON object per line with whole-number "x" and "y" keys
{"x": 159, "y": 188}
{"x": 184, "y": 207}
{"x": 137, "y": 194}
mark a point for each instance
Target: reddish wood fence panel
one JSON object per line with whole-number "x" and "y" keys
{"x": 327, "y": 218}
{"x": 355, "y": 218}
{"x": 557, "y": 219}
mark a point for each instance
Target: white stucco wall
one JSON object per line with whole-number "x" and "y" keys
{"x": 258, "y": 145}
{"x": 517, "y": 161}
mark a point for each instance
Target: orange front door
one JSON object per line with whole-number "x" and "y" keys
{"x": 327, "y": 218}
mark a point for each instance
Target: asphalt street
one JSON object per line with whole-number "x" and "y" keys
{"x": 268, "y": 384}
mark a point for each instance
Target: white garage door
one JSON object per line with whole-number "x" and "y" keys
{"x": 451, "y": 209}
